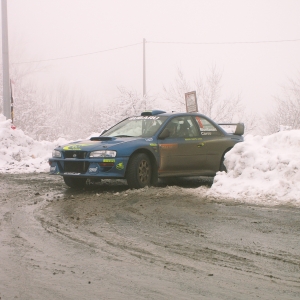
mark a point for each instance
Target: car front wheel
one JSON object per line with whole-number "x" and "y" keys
{"x": 139, "y": 171}
{"x": 75, "y": 182}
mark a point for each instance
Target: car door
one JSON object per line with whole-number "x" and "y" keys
{"x": 182, "y": 153}
{"x": 214, "y": 145}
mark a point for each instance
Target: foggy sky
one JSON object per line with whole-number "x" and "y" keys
{"x": 236, "y": 36}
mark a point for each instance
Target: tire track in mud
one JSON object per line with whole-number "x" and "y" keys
{"x": 173, "y": 244}
{"x": 159, "y": 246}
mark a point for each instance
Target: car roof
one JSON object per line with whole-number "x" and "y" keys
{"x": 161, "y": 113}
{"x": 178, "y": 114}
{"x": 168, "y": 114}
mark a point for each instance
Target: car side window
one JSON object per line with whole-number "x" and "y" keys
{"x": 205, "y": 127}
{"x": 182, "y": 127}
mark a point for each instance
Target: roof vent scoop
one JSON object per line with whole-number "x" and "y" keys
{"x": 100, "y": 138}
{"x": 152, "y": 112}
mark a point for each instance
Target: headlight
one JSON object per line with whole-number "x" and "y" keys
{"x": 103, "y": 153}
{"x": 56, "y": 153}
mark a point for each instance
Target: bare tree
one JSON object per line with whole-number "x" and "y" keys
{"x": 175, "y": 93}
{"x": 209, "y": 96}
{"x": 211, "y": 102}
{"x": 287, "y": 110}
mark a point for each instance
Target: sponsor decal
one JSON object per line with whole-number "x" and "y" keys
{"x": 153, "y": 145}
{"x": 168, "y": 146}
{"x": 71, "y": 173}
{"x": 208, "y": 129}
{"x": 199, "y": 122}
{"x": 205, "y": 133}
{"x": 52, "y": 169}
{"x": 109, "y": 160}
{"x": 193, "y": 139}
{"x": 120, "y": 166}
{"x": 144, "y": 118}
{"x": 149, "y": 140}
{"x": 75, "y": 147}
{"x": 93, "y": 170}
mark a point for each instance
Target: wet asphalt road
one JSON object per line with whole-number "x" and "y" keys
{"x": 108, "y": 242}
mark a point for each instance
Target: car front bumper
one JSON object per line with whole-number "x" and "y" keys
{"x": 89, "y": 168}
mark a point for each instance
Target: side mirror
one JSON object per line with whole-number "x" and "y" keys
{"x": 240, "y": 129}
{"x": 165, "y": 133}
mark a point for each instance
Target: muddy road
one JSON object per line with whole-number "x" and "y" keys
{"x": 108, "y": 242}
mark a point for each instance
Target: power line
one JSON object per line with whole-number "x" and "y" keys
{"x": 224, "y": 43}
{"x": 157, "y": 42}
{"x": 78, "y": 55}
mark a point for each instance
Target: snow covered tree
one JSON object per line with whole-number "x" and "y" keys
{"x": 287, "y": 110}
{"x": 129, "y": 103}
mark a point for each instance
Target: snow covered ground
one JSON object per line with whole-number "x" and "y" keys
{"x": 262, "y": 170}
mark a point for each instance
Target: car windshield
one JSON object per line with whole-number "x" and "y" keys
{"x": 140, "y": 126}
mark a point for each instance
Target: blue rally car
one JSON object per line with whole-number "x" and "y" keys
{"x": 143, "y": 148}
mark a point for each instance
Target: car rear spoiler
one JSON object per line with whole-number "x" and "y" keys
{"x": 239, "y": 129}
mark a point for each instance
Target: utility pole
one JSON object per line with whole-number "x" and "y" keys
{"x": 5, "y": 63}
{"x": 144, "y": 68}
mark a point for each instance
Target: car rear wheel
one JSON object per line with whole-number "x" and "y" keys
{"x": 222, "y": 165}
{"x": 139, "y": 171}
{"x": 75, "y": 182}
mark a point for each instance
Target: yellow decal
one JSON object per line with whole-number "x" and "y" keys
{"x": 168, "y": 146}
{"x": 75, "y": 147}
{"x": 153, "y": 145}
{"x": 109, "y": 160}
{"x": 120, "y": 166}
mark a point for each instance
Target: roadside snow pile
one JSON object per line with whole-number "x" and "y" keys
{"x": 20, "y": 153}
{"x": 262, "y": 167}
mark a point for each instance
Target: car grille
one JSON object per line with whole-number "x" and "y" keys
{"x": 75, "y": 154}
{"x": 76, "y": 166}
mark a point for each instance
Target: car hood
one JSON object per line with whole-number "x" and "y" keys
{"x": 99, "y": 143}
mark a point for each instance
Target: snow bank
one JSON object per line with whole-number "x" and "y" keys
{"x": 262, "y": 169}
{"x": 20, "y": 153}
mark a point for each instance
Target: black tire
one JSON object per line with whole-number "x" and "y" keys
{"x": 139, "y": 171}
{"x": 222, "y": 166}
{"x": 75, "y": 183}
